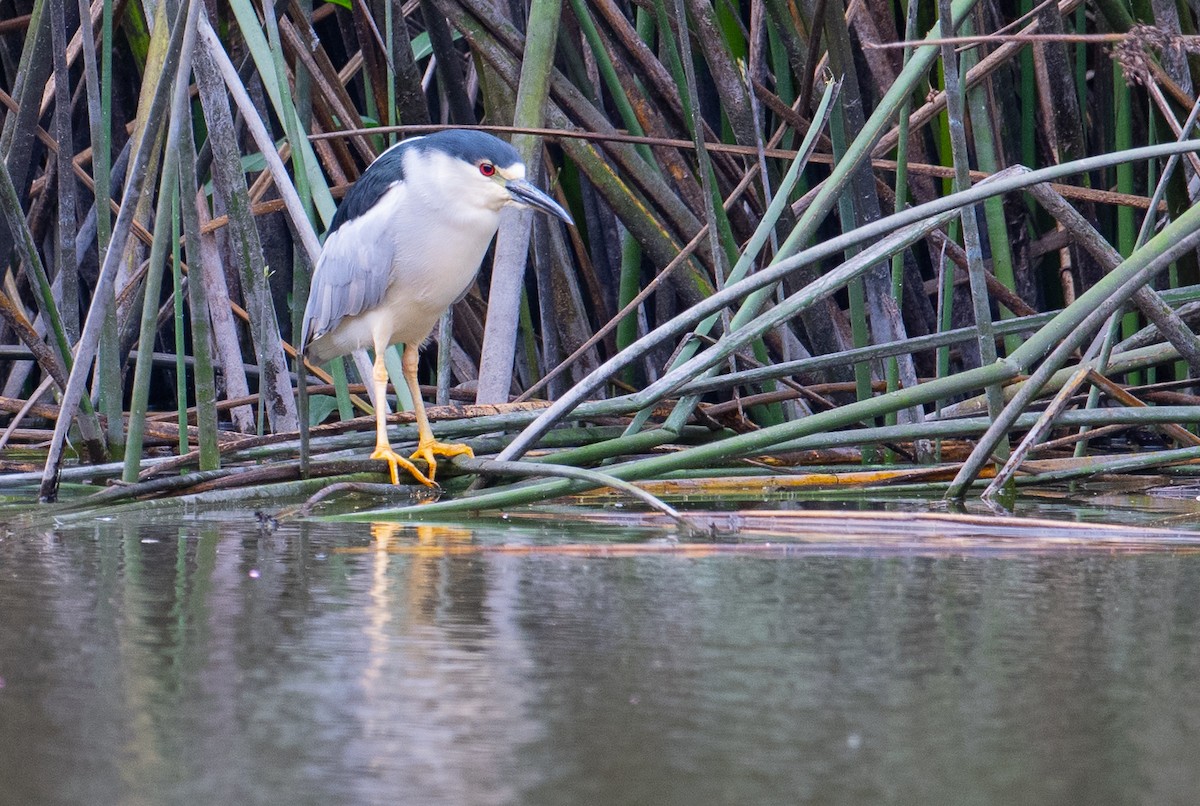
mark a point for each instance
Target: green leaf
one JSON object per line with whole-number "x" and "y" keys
{"x": 421, "y": 46}
{"x": 320, "y": 407}
{"x": 251, "y": 163}
{"x": 420, "y": 43}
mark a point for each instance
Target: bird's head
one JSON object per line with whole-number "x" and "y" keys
{"x": 482, "y": 170}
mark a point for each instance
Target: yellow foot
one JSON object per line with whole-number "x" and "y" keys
{"x": 427, "y": 450}
{"x": 396, "y": 461}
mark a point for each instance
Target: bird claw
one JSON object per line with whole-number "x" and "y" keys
{"x": 427, "y": 450}
{"x": 396, "y": 461}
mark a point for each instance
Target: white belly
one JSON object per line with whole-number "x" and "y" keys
{"x": 434, "y": 267}
{"x": 431, "y": 265}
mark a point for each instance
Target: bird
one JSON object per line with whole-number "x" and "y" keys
{"x": 405, "y": 244}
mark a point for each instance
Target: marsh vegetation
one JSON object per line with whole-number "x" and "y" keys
{"x": 946, "y": 246}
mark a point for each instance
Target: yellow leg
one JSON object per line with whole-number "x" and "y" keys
{"x": 427, "y": 446}
{"x": 383, "y": 448}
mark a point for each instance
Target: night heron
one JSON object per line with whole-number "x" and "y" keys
{"x": 406, "y": 243}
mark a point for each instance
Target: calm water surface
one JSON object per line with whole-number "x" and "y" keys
{"x": 198, "y": 660}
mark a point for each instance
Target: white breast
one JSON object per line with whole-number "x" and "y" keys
{"x": 423, "y": 241}
{"x": 437, "y": 260}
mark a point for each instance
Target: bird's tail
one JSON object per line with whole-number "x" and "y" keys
{"x": 302, "y": 408}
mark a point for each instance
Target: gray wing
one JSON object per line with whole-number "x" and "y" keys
{"x": 352, "y": 276}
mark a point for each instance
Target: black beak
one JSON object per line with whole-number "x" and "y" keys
{"x": 529, "y": 195}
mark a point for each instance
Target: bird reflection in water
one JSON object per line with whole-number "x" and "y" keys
{"x": 436, "y": 645}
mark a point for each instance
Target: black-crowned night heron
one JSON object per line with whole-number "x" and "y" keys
{"x": 406, "y": 243}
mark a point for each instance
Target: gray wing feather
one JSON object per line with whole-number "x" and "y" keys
{"x": 352, "y": 276}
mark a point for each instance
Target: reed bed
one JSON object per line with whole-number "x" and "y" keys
{"x": 946, "y": 247}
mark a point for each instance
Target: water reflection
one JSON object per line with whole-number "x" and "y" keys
{"x": 429, "y": 697}
{"x": 203, "y": 661}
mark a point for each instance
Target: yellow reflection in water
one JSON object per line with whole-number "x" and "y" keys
{"x": 421, "y": 584}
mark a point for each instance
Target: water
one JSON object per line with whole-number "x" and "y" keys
{"x": 197, "y": 659}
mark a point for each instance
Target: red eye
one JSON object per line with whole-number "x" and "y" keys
{"x": 487, "y": 169}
